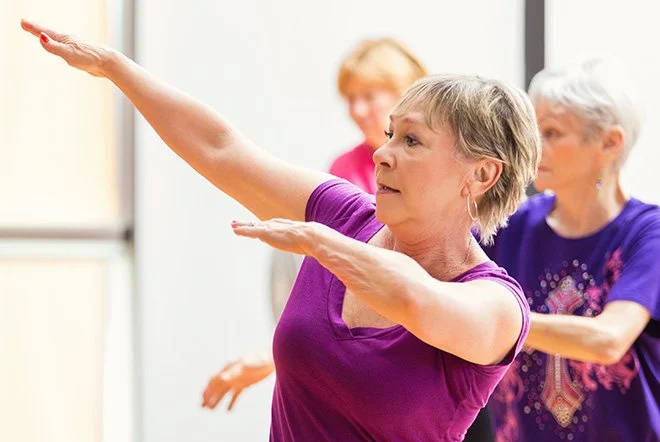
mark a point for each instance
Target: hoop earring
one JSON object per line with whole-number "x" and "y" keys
{"x": 474, "y": 218}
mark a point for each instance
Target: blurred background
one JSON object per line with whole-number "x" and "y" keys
{"x": 122, "y": 288}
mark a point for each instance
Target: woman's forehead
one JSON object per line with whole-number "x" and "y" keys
{"x": 412, "y": 117}
{"x": 360, "y": 85}
{"x": 416, "y": 120}
{"x": 547, "y": 111}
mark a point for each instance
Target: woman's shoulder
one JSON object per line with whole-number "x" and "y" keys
{"x": 537, "y": 205}
{"x": 639, "y": 222}
{"x": 639, "y": 213}
{"x": 341, "y": 206}
{"x": 532, "y": 212}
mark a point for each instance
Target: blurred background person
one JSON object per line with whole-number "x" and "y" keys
{"x": 586, "y": 254}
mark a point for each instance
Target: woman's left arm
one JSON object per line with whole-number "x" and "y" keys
{"x": 602, "y": 339}
{"x": 479, "y": 321}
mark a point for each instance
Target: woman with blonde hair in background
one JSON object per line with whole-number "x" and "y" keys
{"x": 399, "y": 327}
{"x": 371, "y": 79}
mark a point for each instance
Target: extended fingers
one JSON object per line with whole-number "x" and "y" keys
{"x": 250, "y": 229}
{"x": 37, "y": 30}
{"x": 214, "y": 393}
{"x": 233, "y": 399}
{"x": 272, "y": 224}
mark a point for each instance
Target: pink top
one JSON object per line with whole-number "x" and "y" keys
{"x": 357, "y": 167}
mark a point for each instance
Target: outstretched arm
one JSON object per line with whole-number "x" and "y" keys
{"x": 265, "y": 185}
{"x": 479, "y": 321}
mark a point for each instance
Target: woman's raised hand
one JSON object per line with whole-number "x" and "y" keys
{"x": 81, "y": 55}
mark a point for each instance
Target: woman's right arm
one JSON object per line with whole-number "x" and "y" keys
{"x": 265, "y": 185}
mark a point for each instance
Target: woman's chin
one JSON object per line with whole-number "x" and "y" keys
{"x": 541, "y": 185}
{"x": 383, "y": 215}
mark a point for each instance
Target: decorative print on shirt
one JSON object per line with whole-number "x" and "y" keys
{"x": 554, "y": 391}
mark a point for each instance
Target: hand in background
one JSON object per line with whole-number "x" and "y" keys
{"x": 237, "y": 376}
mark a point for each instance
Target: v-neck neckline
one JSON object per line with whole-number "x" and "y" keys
{"x": 337, "y": 293}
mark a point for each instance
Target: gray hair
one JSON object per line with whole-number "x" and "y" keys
{"x": 599, "y": 91}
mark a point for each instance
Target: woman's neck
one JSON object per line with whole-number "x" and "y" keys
{"x": 443, "y": 255}
{"x": 581, "y": 212}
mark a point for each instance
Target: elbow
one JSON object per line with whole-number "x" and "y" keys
{"x": 410, "y": 296}
{"x": 610, "y": 356}
{"x": 610, "y": 351}
{"x": 409, "y": 306}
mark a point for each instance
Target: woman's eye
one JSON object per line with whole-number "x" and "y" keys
{"x": 389, "y": 134}
{"x": 411, "y": 141}
{"x": 550, "y": 133}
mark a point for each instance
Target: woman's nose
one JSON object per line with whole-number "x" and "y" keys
{"x": 383, "y": 156}
{"x": 359, "y": 109}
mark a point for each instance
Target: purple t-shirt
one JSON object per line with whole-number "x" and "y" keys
{"x": 364, "y": 383}
{"x": 549, "y": 398}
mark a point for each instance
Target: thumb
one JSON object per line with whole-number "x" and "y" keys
{"x": 233, "y": 399}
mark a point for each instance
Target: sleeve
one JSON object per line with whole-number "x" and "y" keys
{"x": 338, "y": 204}
{"x": 517, "y": 293}
{"x": 638, "y": 270}
{"x": 477, "y": 382}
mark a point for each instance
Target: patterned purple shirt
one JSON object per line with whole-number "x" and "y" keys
{"x": 337, "y": 383}
{"x": 549, "y": 398}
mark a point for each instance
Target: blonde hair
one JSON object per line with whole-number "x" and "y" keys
{"x": 384, "y": 62}
{"x": 489, "y": 120}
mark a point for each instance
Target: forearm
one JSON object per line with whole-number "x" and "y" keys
{"x": 191, "y": 129}
{"x": 382, "y": 279}
{"x": 398, "y": 288}
{"x": 573, "y": 337}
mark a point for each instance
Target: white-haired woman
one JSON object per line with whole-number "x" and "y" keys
{"x": 586, "y": 255}
{"x": 399, "y": 326}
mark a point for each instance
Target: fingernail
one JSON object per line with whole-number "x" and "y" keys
{"x": 44, "y": 37}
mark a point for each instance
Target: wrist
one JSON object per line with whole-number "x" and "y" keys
{"x": 109, "y": 62}
{"x": 312, "y": 238}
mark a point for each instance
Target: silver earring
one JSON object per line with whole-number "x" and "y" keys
{"x": 475, "y": 217}
{"x": 599, "y": 183}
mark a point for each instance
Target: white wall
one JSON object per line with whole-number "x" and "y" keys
{"x": 579, "y": 30}
{"x": 270, "y": 68}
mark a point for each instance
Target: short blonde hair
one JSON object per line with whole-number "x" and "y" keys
{"x": 489, "y": 120}
{"x": 384, "y": 62}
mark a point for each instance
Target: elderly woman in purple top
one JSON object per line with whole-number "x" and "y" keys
{"x": 586, "y": 255}
{"x": 399, "y": 326}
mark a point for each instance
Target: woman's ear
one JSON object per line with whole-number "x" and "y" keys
{"x": 486, "y": 174}
{"x": 613, "y": 143}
